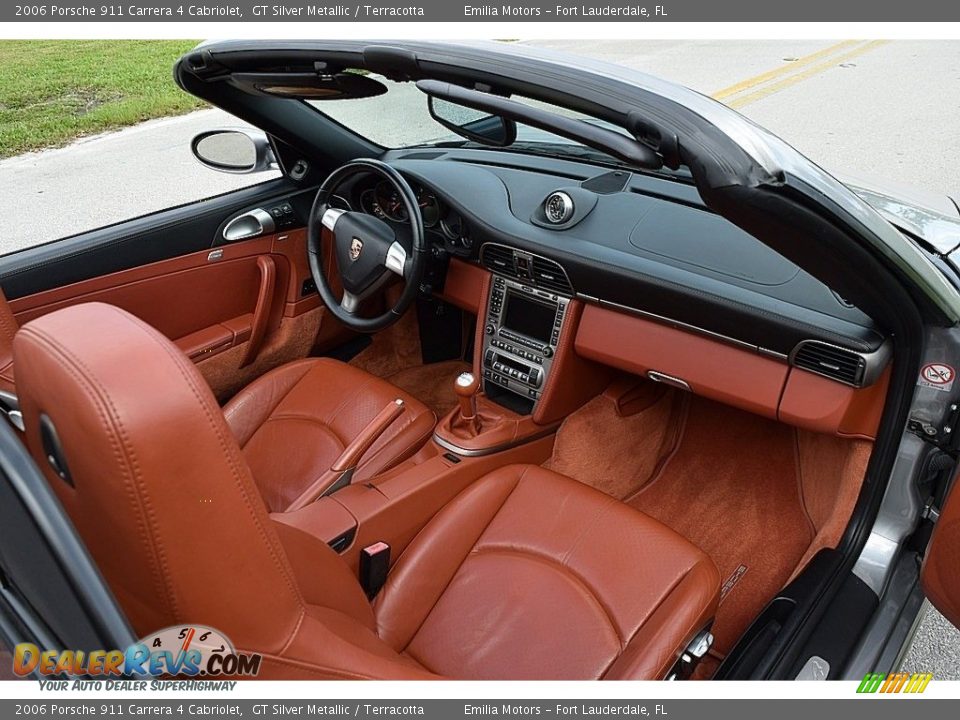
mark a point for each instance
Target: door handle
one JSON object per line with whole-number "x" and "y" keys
{"x": 249, "y": 225}
{"x": 261, "y": 314}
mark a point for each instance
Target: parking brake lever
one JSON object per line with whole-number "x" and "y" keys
{"x": 341, "y": 472}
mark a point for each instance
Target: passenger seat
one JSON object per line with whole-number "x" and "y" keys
{"x": 526, "y": 574}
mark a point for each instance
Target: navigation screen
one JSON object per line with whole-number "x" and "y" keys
{"x": 529, "y": 317}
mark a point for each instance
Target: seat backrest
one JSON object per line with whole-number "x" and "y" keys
{"x": 151, "y": 476}
{"x": 8, "y": 328}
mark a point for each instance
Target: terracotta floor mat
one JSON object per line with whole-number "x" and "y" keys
{"x": 431, "y": 384}
{"x": 616, "y": 454}
{"x": 723, "y": 478}
{"x": 731, "y": 487}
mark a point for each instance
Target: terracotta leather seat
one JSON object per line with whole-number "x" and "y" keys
{"x": 8, "y": 328}
{"x": 293, "y": 422}
{"x": 526, "y": 574}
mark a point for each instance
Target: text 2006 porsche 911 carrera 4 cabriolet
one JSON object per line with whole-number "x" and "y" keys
{"x": 525, "y": 367}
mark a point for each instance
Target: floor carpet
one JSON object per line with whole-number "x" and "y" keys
{"x": 725, "y": 479}
{"x": 431, "y": 384}
{"x": 731, "y": 487}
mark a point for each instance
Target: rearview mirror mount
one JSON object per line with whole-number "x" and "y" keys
{"x": 475, "y": 125}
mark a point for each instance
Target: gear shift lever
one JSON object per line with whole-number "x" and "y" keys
{"x": 466, "y": 386}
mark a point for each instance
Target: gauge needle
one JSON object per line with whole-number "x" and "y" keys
{"x": 187, "y": 640}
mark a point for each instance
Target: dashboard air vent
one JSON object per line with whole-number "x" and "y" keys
{"x": 550, "y": 276}
{"x": 526, "y": 267}
{"x": 499, "y": 259}
{"x": 834, "y": 362}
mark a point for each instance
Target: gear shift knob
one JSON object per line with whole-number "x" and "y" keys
{"x": 466, "y": 386}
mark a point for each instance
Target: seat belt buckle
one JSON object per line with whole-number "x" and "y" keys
{"x": 374, "y": 565}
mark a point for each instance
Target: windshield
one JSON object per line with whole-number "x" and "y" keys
{"x": 400, "y": 118}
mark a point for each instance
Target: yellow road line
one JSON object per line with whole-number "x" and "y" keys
{"x": 777, "y": 72}
{"x": 768, "y": 90}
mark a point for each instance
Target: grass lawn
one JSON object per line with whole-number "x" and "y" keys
{"x": 53, "y": 91}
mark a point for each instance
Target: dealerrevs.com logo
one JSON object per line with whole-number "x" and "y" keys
{"x": 192, "y": 651}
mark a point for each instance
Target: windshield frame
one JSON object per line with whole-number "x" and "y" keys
{"x": 563, "y": 148}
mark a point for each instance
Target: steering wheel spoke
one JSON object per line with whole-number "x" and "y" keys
{"x": 349, "y": 302}
{"x": 330, "y": 217}
{"x": 396, "y": 260}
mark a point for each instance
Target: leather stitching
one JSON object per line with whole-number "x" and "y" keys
{"x": 232, "y": 462}
{"x": 302, "y": 417}
{"x": 8, "y": 323}
{"x": 408, "y": 449}
{"x": 413, "y": 545}
{"x": 663, "y": 599}
{"x": 113, "y": 427}
{"x": 564, "y": 569}
{"x": 251, "y": 392}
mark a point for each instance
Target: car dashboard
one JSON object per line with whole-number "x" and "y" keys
{"x": 659, "y": 286}
{"x": 625, "y": 240}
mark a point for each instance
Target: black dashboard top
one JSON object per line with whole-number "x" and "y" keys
{"x": 643, "y": 242}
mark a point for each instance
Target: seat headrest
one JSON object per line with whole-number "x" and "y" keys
{"x": 147, "y": 469}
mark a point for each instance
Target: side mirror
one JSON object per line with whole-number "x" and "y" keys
{"x": 473, "y": 124}
{"x": 239, "y": 151}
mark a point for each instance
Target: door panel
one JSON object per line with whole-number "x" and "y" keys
{"x": 236, "y": 310}
{"x": 161, "y": 236}
{"x": 940, "y": 575}
{"x": 177, "y": 297}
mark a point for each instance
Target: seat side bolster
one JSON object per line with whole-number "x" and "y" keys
{"x": 251, "y": 407}
{"x": 657, "y": 644}
{"x": 430, "y": 562}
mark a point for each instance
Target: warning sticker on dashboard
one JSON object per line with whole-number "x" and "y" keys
{"x": 937, "y": 376}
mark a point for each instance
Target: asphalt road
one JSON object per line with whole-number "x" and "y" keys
{"x": 865, "y": 108}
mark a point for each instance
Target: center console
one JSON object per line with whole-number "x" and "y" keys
{"x": 526, "y": 376}
{"x": 521, "y": 330}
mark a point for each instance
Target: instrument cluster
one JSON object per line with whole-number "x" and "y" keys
{"x": 383, "y": 201}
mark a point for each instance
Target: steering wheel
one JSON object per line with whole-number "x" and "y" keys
{"x": 368, "y": 251}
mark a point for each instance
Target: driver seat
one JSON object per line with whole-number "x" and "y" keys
{"x": 294, "y": 422}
